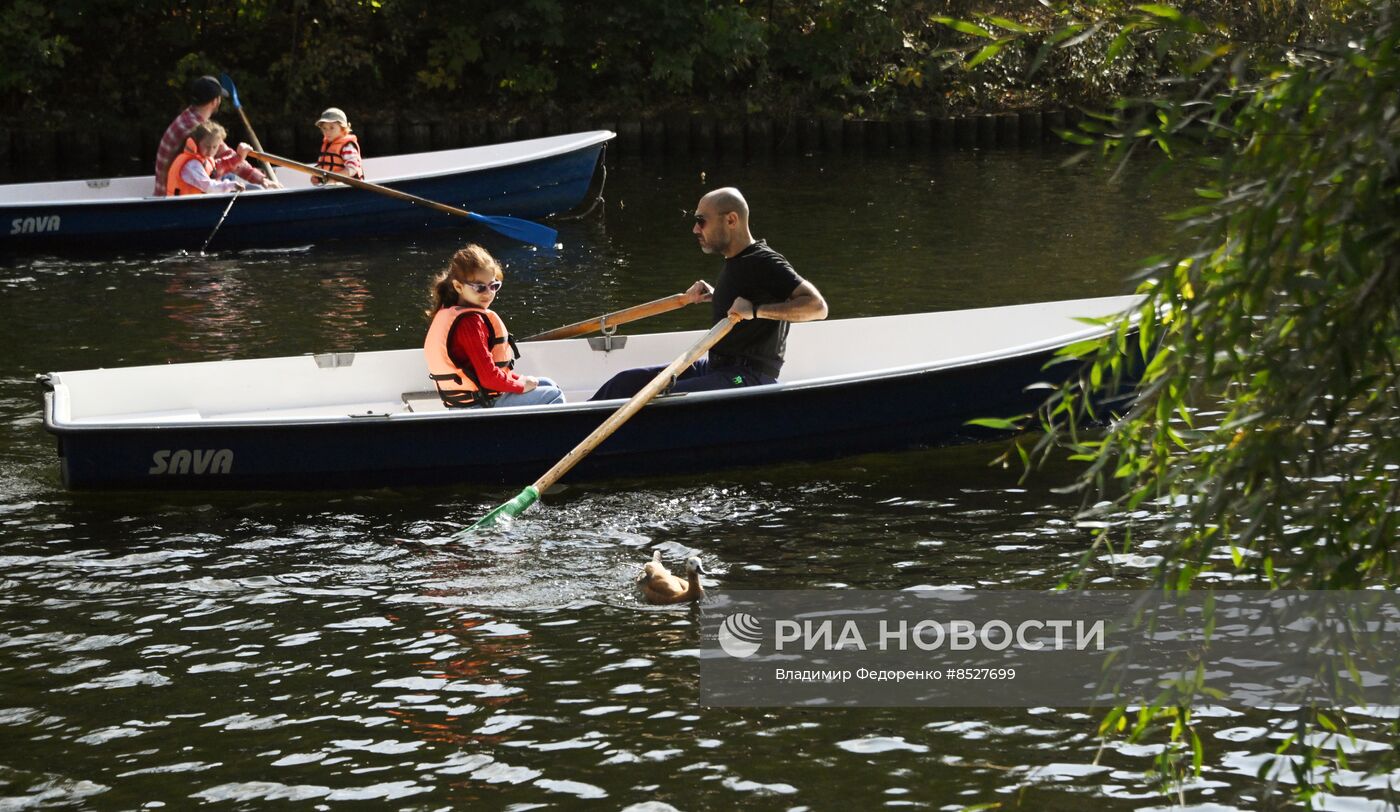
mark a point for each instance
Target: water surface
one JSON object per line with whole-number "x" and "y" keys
{"x": 246, "y": 649}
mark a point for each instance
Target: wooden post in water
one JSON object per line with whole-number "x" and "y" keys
{"x": 1030, "y": 128}
{"x": 1008, "y": 129}
{"x": 382, "y": 137}
{"x": 785, "y": 136}
{"x": 809, "y": 136}
{"x": 758, "y": 138}
{"x": 38, "y": 152}
{"x": 629, "y": 137}
{"x": 5, "y": 171}
{"x": 832, "y": 135}
{"x": 305, "y": 142}
{"x": 123, "y": 144}
{"x": 731, "y": 139}
{"x": 500, "y": 131}
{"x": 653, "y": 137}
{"x": 678, "y": 134}
{"x": 986, "y": 131}
{"x": 417, "y": 137}
{"x": 447, "y": 134}
{"x": 965, "y": 130}
{"x": 920, "y": 135}
{"x": 853, "y": 136}
{"x": 941, "y": 130}
{"x": 706, "y": 143}
{"x": 877, "y": 136}
{"x": 899, "y": 134}
{"x": 474, "y": 132}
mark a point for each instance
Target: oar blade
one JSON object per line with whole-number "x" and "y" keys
{"x": 523, "y": 230}
{"x": 227, "y": 82}
{"x": 504, "y": 513}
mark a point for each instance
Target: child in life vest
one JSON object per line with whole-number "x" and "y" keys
{"x": 469, "y": 351}
{"x": 340, "y": 150}
{"x": 191, "y": 173}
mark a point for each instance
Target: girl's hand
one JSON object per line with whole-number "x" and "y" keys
{"x": 530, "y": 382}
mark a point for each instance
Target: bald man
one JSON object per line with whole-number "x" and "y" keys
{"x": 757, "y": 284}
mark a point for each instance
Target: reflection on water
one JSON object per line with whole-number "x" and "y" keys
{"x": 327, "y": 647}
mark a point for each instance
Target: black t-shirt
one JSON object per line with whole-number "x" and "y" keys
{"x": 763, "y": 276}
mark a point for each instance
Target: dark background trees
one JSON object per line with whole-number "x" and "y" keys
{"x": 70, "y": 62}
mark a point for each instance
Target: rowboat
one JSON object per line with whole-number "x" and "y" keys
{"x": 849, "y": 386}
{"x": 527, "y": 179}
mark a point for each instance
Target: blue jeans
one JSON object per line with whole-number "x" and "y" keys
{"x": 698, "y": 377}
{"x": 546, "y": 393}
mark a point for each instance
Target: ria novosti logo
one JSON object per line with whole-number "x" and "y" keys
{"x": 740, "y": 635}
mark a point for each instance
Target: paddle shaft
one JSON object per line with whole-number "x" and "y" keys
{"x": 634, "y": 313}
{"x": 257, "y": 145}
{"x": 363, "y": 184}
{"x": 224, "y": 217}
{"x": 631, "y": 407}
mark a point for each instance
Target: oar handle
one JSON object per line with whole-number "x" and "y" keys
{"x": 642, "y": 398}
{"x": 257, "y": 145}
{"x": 630, "y": 314}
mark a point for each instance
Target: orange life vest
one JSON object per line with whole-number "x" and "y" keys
{"x": 176, "y": 185}
{"x": 458, "y": 385}
{"x": 332, "y": 161}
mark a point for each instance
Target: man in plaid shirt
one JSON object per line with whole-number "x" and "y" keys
{"x": 205, "y": 96}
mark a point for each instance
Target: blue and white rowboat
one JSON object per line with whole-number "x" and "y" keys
{"x": 527, "y": 179}
{"x": 370, "y": 419}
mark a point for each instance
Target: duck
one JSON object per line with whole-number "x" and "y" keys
{"x": 659, "y": 586}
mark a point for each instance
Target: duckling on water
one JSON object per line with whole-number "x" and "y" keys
{"x": 659, "y": 586}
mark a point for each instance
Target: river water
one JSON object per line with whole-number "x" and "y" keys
{"x": 246, "y": 649}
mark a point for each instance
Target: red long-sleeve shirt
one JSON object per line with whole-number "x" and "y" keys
{"x": 468, "y": 341}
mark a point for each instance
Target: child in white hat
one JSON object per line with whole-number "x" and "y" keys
{"x": 340, "y": 149}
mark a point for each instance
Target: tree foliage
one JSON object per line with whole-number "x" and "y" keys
{"x": 1264, "y": 445}
{"x": 72, "y": 61}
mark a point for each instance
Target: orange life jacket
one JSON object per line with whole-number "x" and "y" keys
{"x": 332, "y": 161}
{"x": 458, "y": 385}
{"x": 176, "y": 185}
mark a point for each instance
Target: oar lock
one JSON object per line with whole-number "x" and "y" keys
{"x": 609, "y": 340}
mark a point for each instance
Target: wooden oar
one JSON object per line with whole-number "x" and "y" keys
{"x": 522, "y": 230}
{"x": 227, "y": 82}
{"x": 633, "y": 313}
{"x": 532, "y": 492}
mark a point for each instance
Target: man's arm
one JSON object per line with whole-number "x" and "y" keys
{"x": 231, "y": 160}
{"x": 805, "y": 303}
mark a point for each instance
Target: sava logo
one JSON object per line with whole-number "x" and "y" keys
{"x": 34, "y": 225}
{"x": 198, "y": 461}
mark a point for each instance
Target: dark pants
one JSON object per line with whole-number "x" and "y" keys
{"x": 698, "y": 377}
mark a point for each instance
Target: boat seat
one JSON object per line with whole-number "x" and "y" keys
{"x": 428, "y": 401}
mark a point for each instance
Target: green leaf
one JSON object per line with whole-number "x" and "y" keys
{"x": 1159, "y": 10}
{"x": 986, "y": 53}
{"x": 994, "y": 423}
{"x": 1010, "y": 25}
{"x": 963, "y": 26}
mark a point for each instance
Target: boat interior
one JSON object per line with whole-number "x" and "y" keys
{"x": 343, "y": 386}
{"x": 381, "y": 169}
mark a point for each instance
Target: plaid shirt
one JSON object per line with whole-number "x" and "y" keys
{"x": 174, "y": 140}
